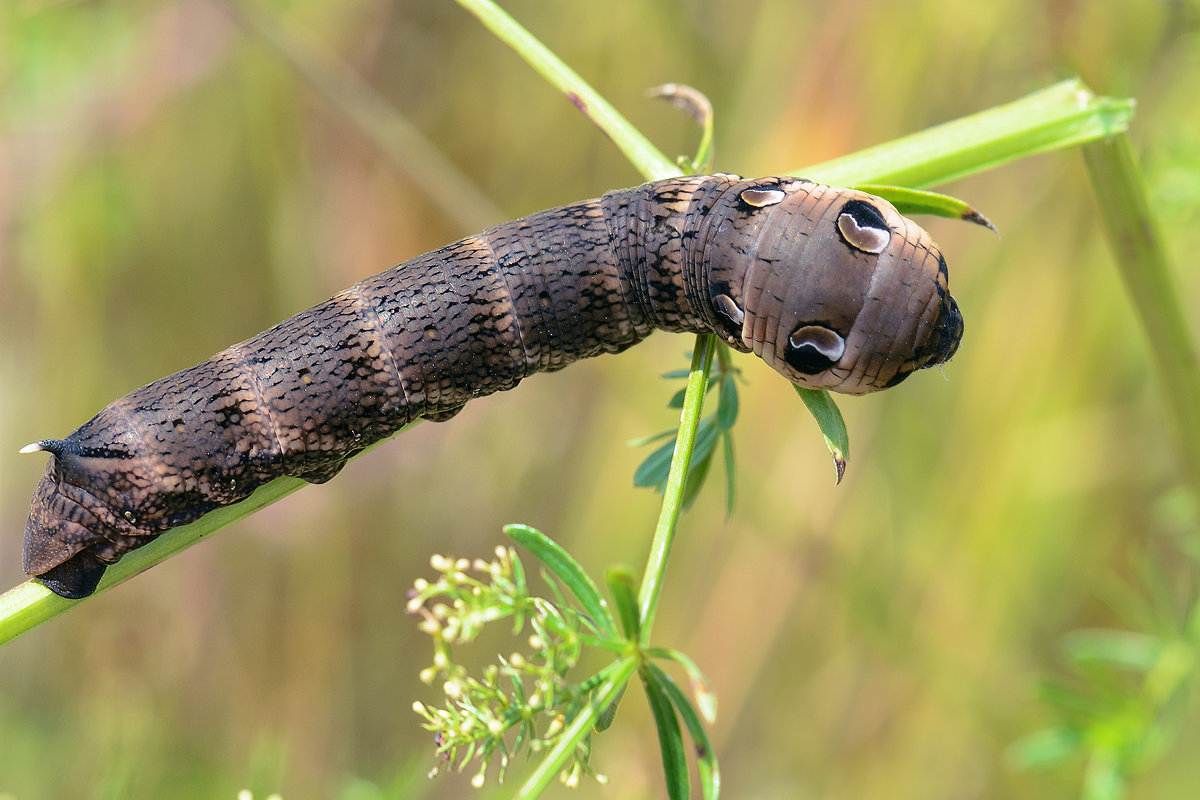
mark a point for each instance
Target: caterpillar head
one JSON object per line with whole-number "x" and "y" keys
{"x": 839, "y": 291}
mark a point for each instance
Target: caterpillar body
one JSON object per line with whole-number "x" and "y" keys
{"x": 831, "y": 287}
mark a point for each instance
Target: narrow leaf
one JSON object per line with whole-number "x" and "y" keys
{"x": 642, "y": 441}
{"x": 1045, "y": 748}
{"x": 833, "y": 427}
{"x": 1063, "y": 115}
{"x": 654, "y": 469}
{"x": 670, "y": 737}
{"x": 697, "y": 476}
{"x": 569, "y": 571}
{"x": 1123, "y": 649}
{"x": 609, "y": 714}
{"x": 706, "y": 759}
{"x": 730, "y": 474}
{"x": 622, "y": 584}
{"x": 706, "y": 698}
{"x": 915, "y": 201}
{"x": 727, "y": 403}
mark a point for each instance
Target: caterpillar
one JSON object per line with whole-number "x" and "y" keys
{"x": 832, "y": 287}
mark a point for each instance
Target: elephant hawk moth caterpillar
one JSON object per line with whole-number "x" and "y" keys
{"x": 833, "y": 288}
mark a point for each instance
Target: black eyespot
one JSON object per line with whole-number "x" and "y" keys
{"x": 863, "y": 227}
{"x": 814, "y": 348}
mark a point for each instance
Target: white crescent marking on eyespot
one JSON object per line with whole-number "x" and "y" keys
{"x": 762, "y": 197}
{"x": 818, "y": 338}
{"x": 864, "y": 237}
{"x": 726, "y": 306}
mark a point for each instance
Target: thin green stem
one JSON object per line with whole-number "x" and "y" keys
{"x": 580, "y": 728}
{"x": 636, "y": 147}
{"x": 664, "y": 532}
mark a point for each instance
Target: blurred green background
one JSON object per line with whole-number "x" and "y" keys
{"x": 168, "y": 185}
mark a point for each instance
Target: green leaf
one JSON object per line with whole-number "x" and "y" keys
{"x": 1063, "y": 115}
{"x": 642, "y": 441}
{"x": 653, "y": 471}
{"x": 609, "y": 714}
{"x": 727, "y": 403}
{"x": 706, "y": 698}
{"x": 697, "y": 476}
{"x": 915, "y": 201}
{"x": 569, "y": 571}
{"x": 1122, "y": 649}
{"x": 1045, "y": 748}
{"x": 670, "y": 737}
{"x": 833, "y": 427}
{"x": 706, "y": 759}
{"x": 730, "y": 474}
{"x": 622, "y": 583}
{"x": 655, "y": 468}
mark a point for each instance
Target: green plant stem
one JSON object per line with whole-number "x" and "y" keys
{"x": 636, "y": 147}
{"x": 1064, "y": 115}
{"x": 1142, "y": 262}
{"x": 664, "y": 532}
{"x": 580, "y": 727}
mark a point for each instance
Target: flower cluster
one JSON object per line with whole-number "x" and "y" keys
{"x": 525, "y": 699}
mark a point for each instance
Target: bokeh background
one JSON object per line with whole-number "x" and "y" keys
{"x": 169, "y": 185}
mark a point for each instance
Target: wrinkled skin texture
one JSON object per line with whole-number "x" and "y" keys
{"x": 831, "y": 287}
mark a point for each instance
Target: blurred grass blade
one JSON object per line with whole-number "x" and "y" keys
{"x": 910, "y": 202}
{"x": 706, "y": 760}
{"x": 636, "y": 147}
{"x": 670, "y": 736}
{"x": 1064, "y": 115}
{"x": 456, "y": 195}
{"x": 569, "y": 571}
{"x": 1142, "y": 262}
{"x": 833, "y": 427}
